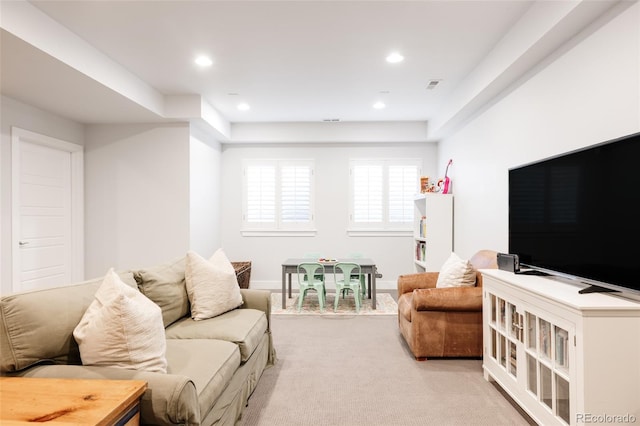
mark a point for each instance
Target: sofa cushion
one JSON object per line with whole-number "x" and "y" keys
{"x": 244, "y": 327}
{"x": 165, "y": 285}
{"x": 456, "y": 272}
{"x": 38, "y": 325}
{"x": 122, "y": 328}
{"x": 212, "y": 285}
{"x": 209, "y": 363}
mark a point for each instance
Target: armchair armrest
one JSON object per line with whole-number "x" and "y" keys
{"x": 409, "y": 282}
{"x": 461, "y": 299}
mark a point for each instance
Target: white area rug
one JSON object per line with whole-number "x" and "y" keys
{"x": 385, "y": 305}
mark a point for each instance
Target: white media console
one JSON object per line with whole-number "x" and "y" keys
{"x": 566, "y": 358}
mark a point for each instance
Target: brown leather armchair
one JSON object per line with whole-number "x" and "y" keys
{"x": 443, "y": 322}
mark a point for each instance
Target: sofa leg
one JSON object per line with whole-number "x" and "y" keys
{"x": 421, "y": 358}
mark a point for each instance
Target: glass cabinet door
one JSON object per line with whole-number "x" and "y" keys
{"x": 545, "y": 338}
{"x": 561, "y": 352}
{"x": 532, "y": 339}
{"x": 547, "y": 348}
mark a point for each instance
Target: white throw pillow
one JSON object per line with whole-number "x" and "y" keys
{"x": 122, "y": 328}
{"x": 456, "y": 272}
{"x": 212, "y": 285}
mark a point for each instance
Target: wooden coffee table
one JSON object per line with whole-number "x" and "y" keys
{"x": 27, "y": 400}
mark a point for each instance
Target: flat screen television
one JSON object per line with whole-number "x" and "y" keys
{"x": 576, "y": 215}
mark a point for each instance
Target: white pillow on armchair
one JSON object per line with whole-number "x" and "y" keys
{"x": 456, "y": 272}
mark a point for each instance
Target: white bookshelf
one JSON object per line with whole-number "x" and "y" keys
{"x": 433, "y": 231}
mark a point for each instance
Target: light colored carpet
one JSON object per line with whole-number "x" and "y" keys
{"x": 357, "y": 370}
{"x": 385, "y": 305}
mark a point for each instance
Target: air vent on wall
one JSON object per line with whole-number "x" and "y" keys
{"x": 432, "y": 84}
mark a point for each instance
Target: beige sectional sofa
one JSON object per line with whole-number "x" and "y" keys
{"x": 213, "y": 365}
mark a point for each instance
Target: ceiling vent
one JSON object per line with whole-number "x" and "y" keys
{"x": 432, "y": 84}
{"x": 330, "y": 120}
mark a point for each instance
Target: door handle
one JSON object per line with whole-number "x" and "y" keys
{"x": 23, "y": 243}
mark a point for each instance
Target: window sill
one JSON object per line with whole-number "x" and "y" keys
{"x": 379, "y": 232}
{"x": 278, "y": 233}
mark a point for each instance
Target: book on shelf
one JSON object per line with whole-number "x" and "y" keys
{"x": 513, "y": 359}
{"x": 545, "y": 337}
{"x": 531, "y": 330}
{"x": 420, "y": 250}
{"x": 422, "y": 231}
{"x": 562, "y": 355}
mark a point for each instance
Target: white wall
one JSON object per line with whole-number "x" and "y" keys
{"x": 136, "y": 195}
{"x": 149, "y": 189}
{"x": 588, "y": 93}
{"x": 18, "y": 114}
{"x": 205, "y": 156}
{"x": 393, "y": 255}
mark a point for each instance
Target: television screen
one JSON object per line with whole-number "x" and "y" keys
{"x": 575, "y": 214}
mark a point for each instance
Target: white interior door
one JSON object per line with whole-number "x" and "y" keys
{"x": 45, "y": 211}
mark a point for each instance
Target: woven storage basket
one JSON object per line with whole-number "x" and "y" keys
{"x": 243, "y": 272}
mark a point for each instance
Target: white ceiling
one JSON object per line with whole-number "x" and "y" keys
{"x": 290, "y": 60}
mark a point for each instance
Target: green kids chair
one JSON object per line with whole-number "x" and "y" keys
{"x": 311, "y": 277}
{"x": 347, "y": 277}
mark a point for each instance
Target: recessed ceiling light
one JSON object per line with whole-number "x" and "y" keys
{"x": 379, "y": 105}
{"x": 244, "y": 107}
{"x": 394, "y": 58}
{"x": 203, "y": 61}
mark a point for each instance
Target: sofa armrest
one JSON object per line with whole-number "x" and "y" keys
{"x": 170, "y": 399}
{"x": 260, "y": 300}
{"x": 409, "y": 282}
{"x": 460, "y": 299}
{"x": 257, "y": 299}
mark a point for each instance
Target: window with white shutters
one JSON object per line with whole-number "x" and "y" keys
{"x": 261, "y": 194}
{"x": 382, "y": 194}
{"x": 367, "y": 193}
{"x": 278, "y": 196}
{"x": 295, "y": 194}
{"x": 403, "y": 186}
